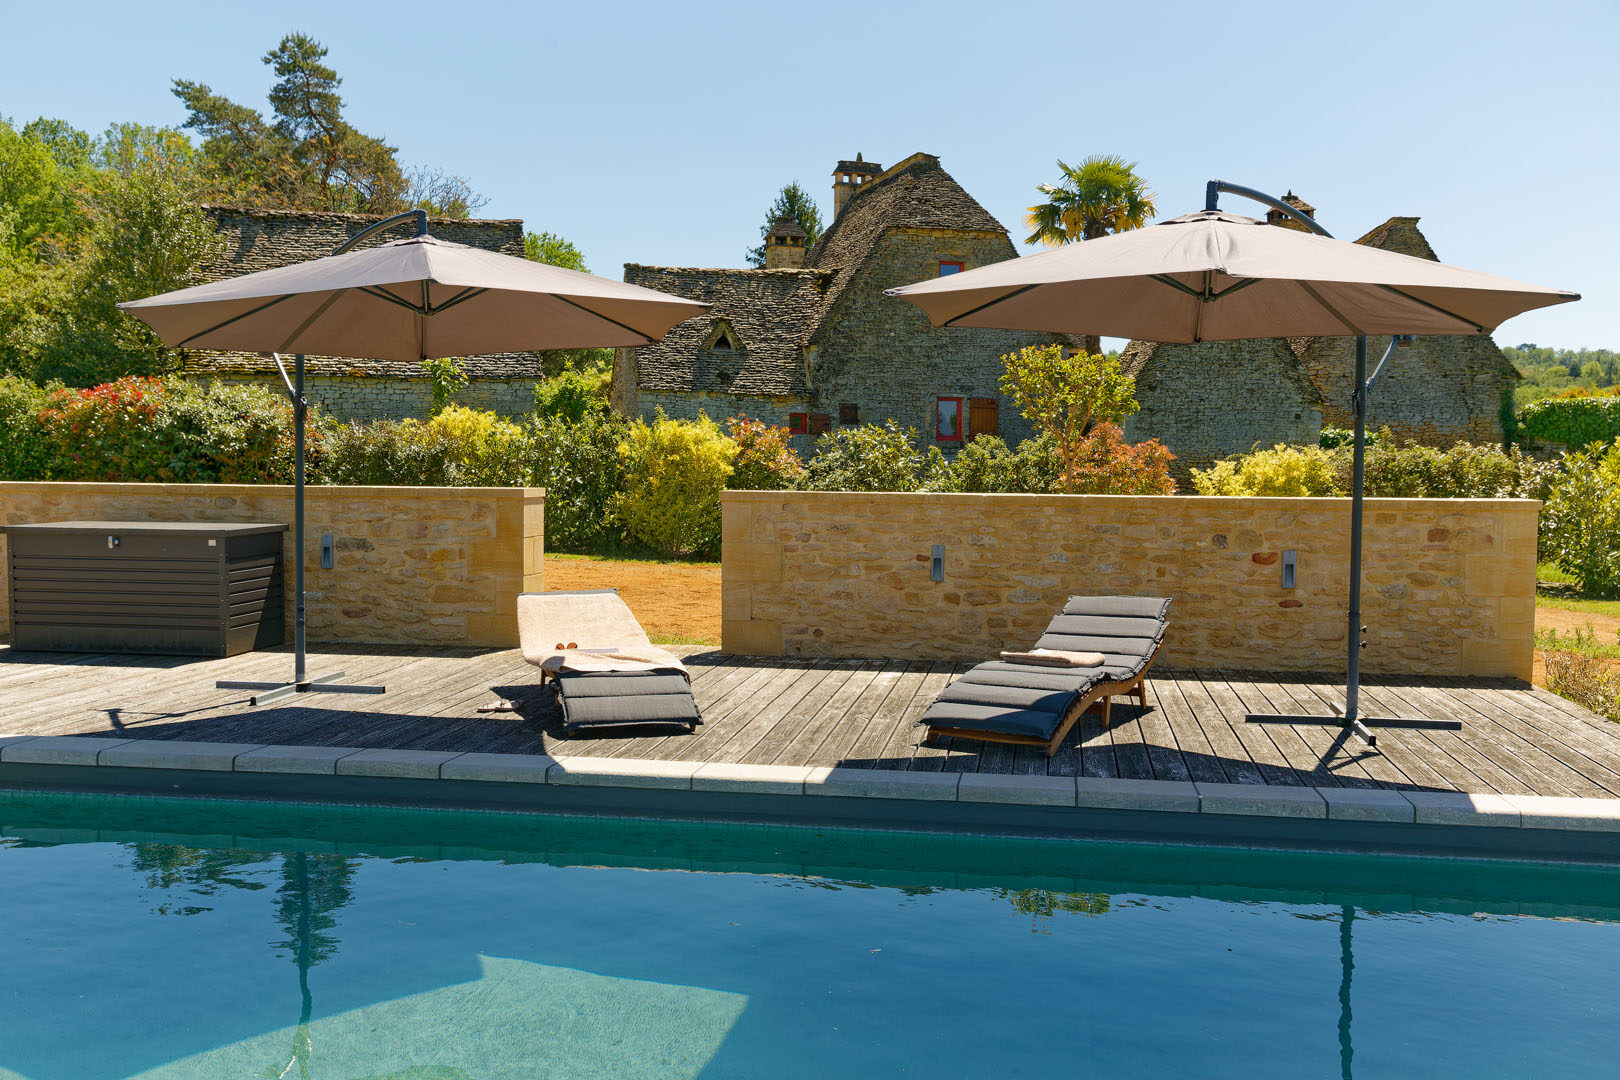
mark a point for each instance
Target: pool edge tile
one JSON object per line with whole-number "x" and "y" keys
{"x": 499, "y": 768}
{"x": 882, "y": 784}
{"x": 1567, "y": 813}
{"x": 1035, "y": 789}
{"x": 399, "y": 764}
{"x": 1367, "y": 804}
{"x": 59, "y": 750}
{"x": 1260, "y": 800}
{"x": 294, "y": 759}
{"x": 751, "y": 779}
{"x": 181, "y": 754}
{"x": 1110, "y": 793}
{"x": 623, "y": 772}
{"x": 1463, "y": 808}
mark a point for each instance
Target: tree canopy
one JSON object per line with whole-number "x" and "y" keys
{"x": 308, "y": 157}
{"x": 1101, "y": 195}
{"x": 84, "y": 224}
{"x": 794, "y": 203}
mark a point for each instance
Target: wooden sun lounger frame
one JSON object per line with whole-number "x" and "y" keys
{"x": 1103, "y": 693}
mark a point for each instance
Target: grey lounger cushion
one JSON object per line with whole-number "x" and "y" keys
{"x": 1029, "y": 699}
{"x": 591, "y": 699}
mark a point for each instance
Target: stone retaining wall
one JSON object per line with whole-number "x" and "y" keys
{"x": 1449, "y": 584}
{"x": 413, "y": 565}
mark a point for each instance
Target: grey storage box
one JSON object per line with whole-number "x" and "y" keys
{"x": 177, "y": 587}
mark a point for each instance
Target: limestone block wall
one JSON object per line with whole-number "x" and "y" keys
{"x": 416, "y": 565}
{"x": 377, "y": 397}
{"x": 1449, "y": 584}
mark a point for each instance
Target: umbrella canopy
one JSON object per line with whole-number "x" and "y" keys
{"x": 1217, "y": 276}
{"x": 413, "y": 299}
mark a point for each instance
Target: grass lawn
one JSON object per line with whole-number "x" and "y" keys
{"x": 676, "y": 600}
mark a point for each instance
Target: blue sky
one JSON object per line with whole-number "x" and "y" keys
{"x": 659, "y": 133}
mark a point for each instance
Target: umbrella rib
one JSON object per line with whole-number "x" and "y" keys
{"x": 1478, "y": 329}
{"x": 1329, "y": 308}
{"x": 1166, "y": 279}
{"x": 952, "y": 321}
{"x": 233, "y": 318}
{"x": 469, "y": 293}
{"x": 1230, "y": 289}
{"x": 384, "y": 294}
{"x": 604, "y": 318}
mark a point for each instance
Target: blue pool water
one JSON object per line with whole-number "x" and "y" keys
{"x": 164, "y": 939}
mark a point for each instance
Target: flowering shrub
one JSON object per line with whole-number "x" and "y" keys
{"x": 1105, "y": 464}
{"x": 674, "y": 473}
{"x": 108, "y": 432}
{"x": 765, "y": 461}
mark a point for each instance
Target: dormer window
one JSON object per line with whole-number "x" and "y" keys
{"x": 721, "y": 343}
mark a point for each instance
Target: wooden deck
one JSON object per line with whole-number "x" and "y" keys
{"x": 1516, "y": 739}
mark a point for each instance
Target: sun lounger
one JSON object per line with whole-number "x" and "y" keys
{"x": 605, "y": 670}
{"x": 1037, "y": 704}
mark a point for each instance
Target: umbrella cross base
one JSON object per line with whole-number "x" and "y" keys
{"x": 275, "y": 691}
{"x": 1358, "y": 726}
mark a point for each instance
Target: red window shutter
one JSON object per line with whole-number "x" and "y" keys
{"x": 984, "y": 417}
{"x": 820, "y": 423}
{"x": 797, "y": 423}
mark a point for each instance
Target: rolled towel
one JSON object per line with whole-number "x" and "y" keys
{"x": 1055, "y": 658}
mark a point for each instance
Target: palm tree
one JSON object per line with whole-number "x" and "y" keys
{"x": 1101, "y": 195}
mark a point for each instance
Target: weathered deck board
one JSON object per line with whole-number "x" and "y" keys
{"x": 1515, "y": 739}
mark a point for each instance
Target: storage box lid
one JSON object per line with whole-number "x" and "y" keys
{"x": 152, "y": 528}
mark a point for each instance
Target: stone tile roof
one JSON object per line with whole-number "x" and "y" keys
{"x": 915, "y": 194}
{"x": 777, "y": 312}
{"x": 258, "y": 239}
{"x": 768, "y": 311}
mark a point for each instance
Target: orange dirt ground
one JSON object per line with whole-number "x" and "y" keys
{"x": 678, "y": 602}
{"x": 673, "y": 601}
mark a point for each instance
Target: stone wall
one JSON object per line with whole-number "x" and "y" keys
{"x": 352, "y": 397}
{"x": 420, "y": 566}
{"x": 1449, "y": 583}
{"x": 887, "y": 358}
{"x": 1435, "y": 391}
{"x": 1209, "y": 401}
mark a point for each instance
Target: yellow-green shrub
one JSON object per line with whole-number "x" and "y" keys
{"x": 674, "y": 473}
{"x": 483, "y": 449}
{"x": 1282, "y": 470}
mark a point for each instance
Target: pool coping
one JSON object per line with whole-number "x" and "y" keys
{"x": 1362, "y": 819}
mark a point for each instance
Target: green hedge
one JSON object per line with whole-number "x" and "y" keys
{"x": 1573, "y": 421}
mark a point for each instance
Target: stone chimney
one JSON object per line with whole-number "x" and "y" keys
{"x": 1277, "y": 217}
{"x": 849, "y": 177}
{"x": 784, "y": 247}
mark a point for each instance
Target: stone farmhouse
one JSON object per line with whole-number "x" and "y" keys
{"x": 810, "y": 342}
{"x": 359, "y": 389}
{"x": 1220, "y": 398}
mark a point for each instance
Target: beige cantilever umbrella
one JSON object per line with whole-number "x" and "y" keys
{"x": 416, "y": 299}
{"x": 1214, "y": 276}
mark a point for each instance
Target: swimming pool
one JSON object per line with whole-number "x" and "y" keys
{"x": 163, "y": 938}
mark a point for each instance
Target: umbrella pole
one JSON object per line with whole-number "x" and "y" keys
{"x": 267, "y": 692}
{"x": 1349, "y": 718}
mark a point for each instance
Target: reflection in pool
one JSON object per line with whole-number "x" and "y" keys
{"x": 165, "y": 939}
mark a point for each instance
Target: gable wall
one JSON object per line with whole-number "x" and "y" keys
{"x": 1209, "y": 401}
{"x": 883, "y": 355}
{"x": 1436, "y": 391}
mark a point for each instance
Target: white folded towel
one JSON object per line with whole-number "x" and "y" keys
{"x": 1055, "y": 658}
